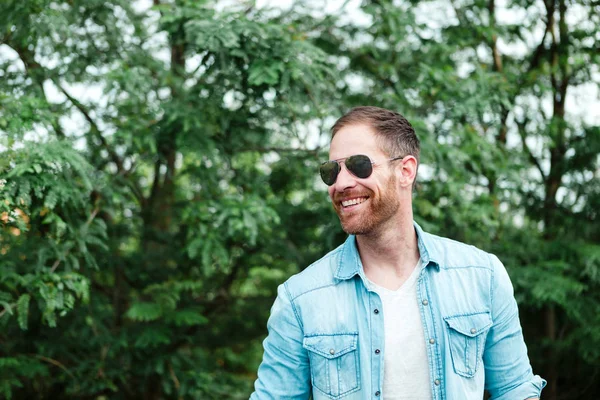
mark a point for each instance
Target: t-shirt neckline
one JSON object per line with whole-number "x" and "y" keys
{"x": 411, "y": 281}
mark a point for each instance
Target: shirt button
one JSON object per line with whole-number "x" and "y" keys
{"x": 432, "y": 341}
{"x": 437, "y": 382}
{"x": 425, "y": 302}
{"x": 376, "y": 311}
{"x": 377, "y": 393}
{"x": 473, "y": 330}
{"x": 377, "y": 351}
{"x": 332, "y": 351}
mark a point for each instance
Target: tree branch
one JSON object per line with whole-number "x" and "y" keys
{"x": 537, "y": 55}
{"x": 495, "y": 52}
{"x": 283, "y": 150}
{"x": 532, "y": 158}
{"x": 156, "y": 181}
{"x": 7, "y": 309}
{"x": 121, "y": 170}
{"x": 87, "y": 224}
{"x": 38, "y": 75}
{"x": 55, "y": 363}
{"x": 97, "y": 132}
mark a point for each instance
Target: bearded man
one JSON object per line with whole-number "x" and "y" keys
{"x": 394, "y": 312}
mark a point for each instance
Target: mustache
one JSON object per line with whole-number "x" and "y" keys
{"x": 339, "y": 196}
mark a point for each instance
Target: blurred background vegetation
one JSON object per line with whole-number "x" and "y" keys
{"x": 158, "y": 166}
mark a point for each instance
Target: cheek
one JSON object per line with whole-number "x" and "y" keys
{"x": 330, "y": 191}
{"x": 372, "y": 187}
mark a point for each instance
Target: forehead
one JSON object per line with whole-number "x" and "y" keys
{"x": 354, "y": 139}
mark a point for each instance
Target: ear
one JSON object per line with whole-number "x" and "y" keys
{"x": 407, "y": 171}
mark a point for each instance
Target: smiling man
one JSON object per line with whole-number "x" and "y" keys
{"x": 394, "y": 312}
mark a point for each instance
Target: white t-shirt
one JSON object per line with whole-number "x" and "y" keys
{"x": 405, "y": 368}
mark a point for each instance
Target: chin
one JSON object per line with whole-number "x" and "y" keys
{"x": 351, "y": 230}
{"x": 357, "y": 228}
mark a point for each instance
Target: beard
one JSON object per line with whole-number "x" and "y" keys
{"x": 370, "y": 219}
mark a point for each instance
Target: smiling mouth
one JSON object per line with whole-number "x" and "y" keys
{"x": 353, "y": 202}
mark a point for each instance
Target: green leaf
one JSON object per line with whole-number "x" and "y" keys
{"x": 152, "y": 337}
{"x": 23, "y": 310}
{"x": 144, "y": 311}
{"x": 187, "y": 318}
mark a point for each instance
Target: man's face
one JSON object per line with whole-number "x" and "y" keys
{"x": 363, "y": 205}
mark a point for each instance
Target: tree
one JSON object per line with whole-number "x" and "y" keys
{"x": 143, "y": 220}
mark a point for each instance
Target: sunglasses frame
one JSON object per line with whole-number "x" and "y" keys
{"x": 343, "y": 160}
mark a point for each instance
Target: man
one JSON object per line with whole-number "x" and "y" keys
{"x": 451, "y": 323}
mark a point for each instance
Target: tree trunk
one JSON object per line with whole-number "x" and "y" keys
{"x": 560, "y": 80}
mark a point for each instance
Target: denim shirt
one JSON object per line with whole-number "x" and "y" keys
{"x": 326, "y": 329}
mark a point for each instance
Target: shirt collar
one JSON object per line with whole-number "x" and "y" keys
{"x": 349, "y": 263}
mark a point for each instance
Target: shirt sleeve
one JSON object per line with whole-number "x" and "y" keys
{"x": 508, "y": 373}
{"x": 284, "y": 372}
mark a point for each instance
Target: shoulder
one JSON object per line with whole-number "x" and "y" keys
{"x": 470, "y": 280}
{"x": 452, "y": 254}
{"x": 319, "y": 274}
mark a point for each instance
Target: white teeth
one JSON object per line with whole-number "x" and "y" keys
{"x": 352, "y": 202}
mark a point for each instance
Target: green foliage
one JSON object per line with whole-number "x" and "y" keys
{"x": 144, "y": 312}
{"x": 23, "y": 310}
{"x": 47, "y": 186}
{"x": 158, "y": 177}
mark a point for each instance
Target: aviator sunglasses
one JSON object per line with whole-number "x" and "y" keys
{"x": 358, "y": 165}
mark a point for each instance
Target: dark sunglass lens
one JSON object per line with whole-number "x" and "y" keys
{"x": 360, "y": 166}
{"x": 329, "y": 172}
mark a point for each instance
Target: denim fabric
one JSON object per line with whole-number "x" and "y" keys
{"x": 326, "y": 326}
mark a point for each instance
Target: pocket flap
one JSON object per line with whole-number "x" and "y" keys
{"x": 470, "y": 325}
{"x": 331, "y": 346}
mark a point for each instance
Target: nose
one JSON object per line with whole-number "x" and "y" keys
{"x": 345, "y": 180}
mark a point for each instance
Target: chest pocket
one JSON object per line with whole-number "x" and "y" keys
{"x": 466, "y": 337}
{"x": 334, "y": 363}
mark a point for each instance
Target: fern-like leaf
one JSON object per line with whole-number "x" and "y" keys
{"x": 23, "y": 310}
{"x": 144, "y": 312}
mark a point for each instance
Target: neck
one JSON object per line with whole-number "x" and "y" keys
{"x": 391, "y": 253}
